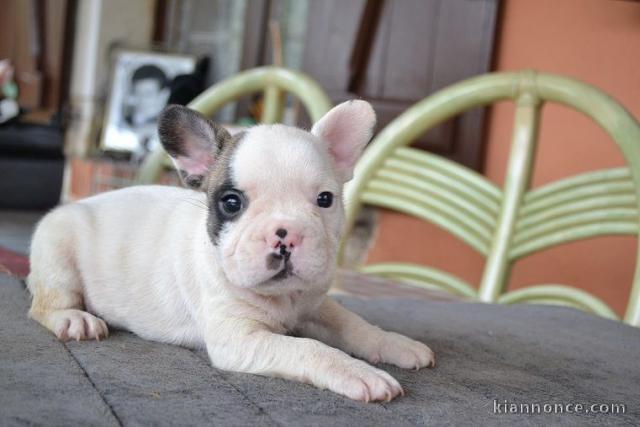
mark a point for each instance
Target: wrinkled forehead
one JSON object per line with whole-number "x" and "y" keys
{"x": 280, "y": 157}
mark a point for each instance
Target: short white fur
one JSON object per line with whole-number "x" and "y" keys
{"x": 142, "y": 259}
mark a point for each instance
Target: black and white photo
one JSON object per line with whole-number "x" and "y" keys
{"x": 140, "y": 88}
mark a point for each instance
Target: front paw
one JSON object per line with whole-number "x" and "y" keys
{"x": 401, "y": 351}
{"x": 358, "y": 380}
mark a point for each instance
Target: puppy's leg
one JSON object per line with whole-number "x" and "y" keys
{"x": 337, "y": 326}
{"x": 55, "y": 284}
{"x": 245, "y": 346}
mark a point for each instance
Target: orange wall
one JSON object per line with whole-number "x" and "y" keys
{"x": 597, "y": 41}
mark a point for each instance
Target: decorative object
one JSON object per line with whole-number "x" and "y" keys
{"x": 141, "y": 86}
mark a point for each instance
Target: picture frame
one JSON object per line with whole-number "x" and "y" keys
{"x": 141, "y": 86}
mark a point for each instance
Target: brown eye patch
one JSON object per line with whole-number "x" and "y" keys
{"x": 226, "y": 205}
{"x": 220, "y": 185}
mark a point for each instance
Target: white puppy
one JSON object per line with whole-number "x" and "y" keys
{"x": 234, "y": 265}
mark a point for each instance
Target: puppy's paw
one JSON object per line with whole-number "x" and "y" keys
{"x": 402, "y": 351}
{"x": 360, "y": 381}
{"x": 78, "y": 325}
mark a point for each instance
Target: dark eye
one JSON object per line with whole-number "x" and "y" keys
{"x": 230, "y": 203}
{"x": 325, "y": 199}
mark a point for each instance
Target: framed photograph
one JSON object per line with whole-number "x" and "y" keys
{"x": 141, "y": 87}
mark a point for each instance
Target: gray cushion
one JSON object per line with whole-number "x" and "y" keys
{"x": 522, "y": 354}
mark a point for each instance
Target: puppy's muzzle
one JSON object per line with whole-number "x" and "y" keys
{"x": 282, "y": 243}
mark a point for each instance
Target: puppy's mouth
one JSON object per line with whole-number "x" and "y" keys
{"x": 280, "y": 261}
{"x": 286, "y": 271}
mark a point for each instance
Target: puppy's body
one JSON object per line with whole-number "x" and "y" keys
{"x": 233, "y": 267}
{"x": 161, "y": 301}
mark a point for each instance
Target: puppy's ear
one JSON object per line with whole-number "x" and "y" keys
{"x": 193, "y": 142}
{"x": 346, "y": 129}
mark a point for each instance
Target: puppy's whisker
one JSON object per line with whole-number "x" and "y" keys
{"x": 197, "y": 203}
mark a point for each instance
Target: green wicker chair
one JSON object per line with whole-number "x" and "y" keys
{"x": 509, "y": 223}
{"x": 273, "y": 81}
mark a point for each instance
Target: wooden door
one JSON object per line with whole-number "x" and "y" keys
{"x": 394, "y": 53}
{"x": 37, "y": 36}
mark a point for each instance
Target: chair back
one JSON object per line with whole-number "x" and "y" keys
{"x": 509, "y": 223}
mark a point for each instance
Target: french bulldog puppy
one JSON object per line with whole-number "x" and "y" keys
{"x": 239, "y": 264}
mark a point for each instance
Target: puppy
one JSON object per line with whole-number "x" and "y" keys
{"x": 239, "y": 264}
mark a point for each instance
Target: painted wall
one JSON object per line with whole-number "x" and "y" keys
{"x": 597, "y": 41}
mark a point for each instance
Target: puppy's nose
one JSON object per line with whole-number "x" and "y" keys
{"x": 290, "y": 237}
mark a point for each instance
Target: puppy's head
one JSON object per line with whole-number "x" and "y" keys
{"x": 274, "y": 192}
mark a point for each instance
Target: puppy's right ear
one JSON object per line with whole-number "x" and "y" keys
{"x": 193, "y": 142}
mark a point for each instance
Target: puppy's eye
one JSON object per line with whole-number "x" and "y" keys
{"x": 325, "y": 199}
{"x": 231, "y": 203}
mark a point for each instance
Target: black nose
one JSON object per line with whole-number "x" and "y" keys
{"x": 281, "y": 233}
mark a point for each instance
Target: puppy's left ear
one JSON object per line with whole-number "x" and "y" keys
{"x": 346, "y": 129}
